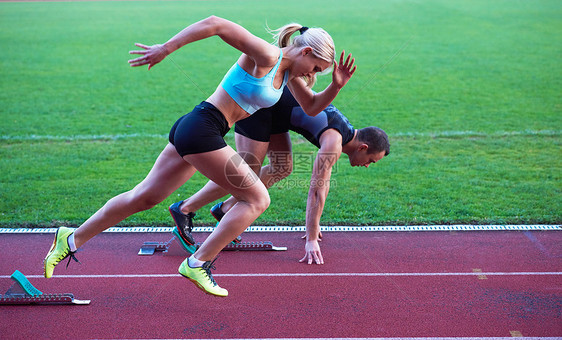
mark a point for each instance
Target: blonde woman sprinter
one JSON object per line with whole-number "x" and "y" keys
{"x": 196, "y": 140}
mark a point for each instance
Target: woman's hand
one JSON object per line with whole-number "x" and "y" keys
{"x": 151, "y": 55}
{"x": 343, "y": 71}
{"x": 312, "y": 252}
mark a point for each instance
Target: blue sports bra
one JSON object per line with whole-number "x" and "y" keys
{"x": 251, "y": 93}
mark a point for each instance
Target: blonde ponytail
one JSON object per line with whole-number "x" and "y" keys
{"x": 282, "y": 35}
{"x": 321, "y": 42}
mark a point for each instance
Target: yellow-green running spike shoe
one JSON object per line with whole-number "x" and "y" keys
{"x": 59, "y": 251}
{"x": 202, "y": 278}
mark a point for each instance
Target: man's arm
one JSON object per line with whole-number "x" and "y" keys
{"x": 328, "y": 155}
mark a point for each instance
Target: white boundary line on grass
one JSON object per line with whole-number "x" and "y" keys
{"x": 439, "y": 134}
{"x": 276, "y": 229}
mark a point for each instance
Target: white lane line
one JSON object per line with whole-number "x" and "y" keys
{"x": 404, "y": 134}
{"x": 126, "y": 276}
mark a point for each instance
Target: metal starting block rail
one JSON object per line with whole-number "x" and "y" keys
{"x": 43, "y": 299}
{"x": 149, "y": 248}
{"x": 22, "y": 292}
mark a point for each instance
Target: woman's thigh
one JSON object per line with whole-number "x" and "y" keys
{"x": 169, "y": 172}
{"x": 226, "y": 168}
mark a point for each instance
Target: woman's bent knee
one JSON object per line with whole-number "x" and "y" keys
{"x": 260, "y": 201}
{"x": 264, "y": 202}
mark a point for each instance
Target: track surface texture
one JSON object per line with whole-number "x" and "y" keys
{"x": 495, "y": 284}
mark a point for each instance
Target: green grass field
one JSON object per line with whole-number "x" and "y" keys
{"x": 468, "y": 91}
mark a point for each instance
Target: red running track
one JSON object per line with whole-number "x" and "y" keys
{"x": 426, "y": 285}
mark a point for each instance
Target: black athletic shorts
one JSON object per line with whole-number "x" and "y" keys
{"x": 263, "y": 123}
{"x": 201, "y": 130}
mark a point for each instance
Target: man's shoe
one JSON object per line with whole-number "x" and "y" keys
{"x": 184, "y": 226}
{"x": 202, "y": 278}
{"x": 217, "y": 213}
{"x": 59, "y": 251}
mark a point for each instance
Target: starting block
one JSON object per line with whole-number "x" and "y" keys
{"x": 171, "y": 246}
{"x": 22, "y": 292}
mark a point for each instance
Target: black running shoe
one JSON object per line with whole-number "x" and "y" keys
{"x": 184, "y": 223}
{"x": 217, "y": 213}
